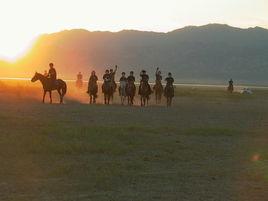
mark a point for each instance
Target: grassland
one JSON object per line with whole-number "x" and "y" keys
{"x": 209, "y": 146}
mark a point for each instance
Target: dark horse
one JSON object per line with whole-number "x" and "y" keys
{"x": 169, "y": 94}
{"x": 158, "y": 88}
{"x": 93, "y": 91}
{"x": 61, "y": 86}
{"x": 131, "y": 92}
{"x": 145, "y": 93}
{"x": 108, "y": 92}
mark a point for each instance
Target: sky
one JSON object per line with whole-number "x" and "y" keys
{"x": 22, "y": 21}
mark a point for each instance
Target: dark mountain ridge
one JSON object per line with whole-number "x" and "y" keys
{"x": 211, "y": 54}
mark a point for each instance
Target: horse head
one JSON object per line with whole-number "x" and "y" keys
{"x": 36, "y": 77}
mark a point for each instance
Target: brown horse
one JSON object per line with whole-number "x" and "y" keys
{"x": 92, "y": 91}
{"x": 158, "y": 89}
{"x": 131, "y": 92}
{"x": 144, "y": 92}
{"x": 48, "y": 86}
{"x": 169, "y": 94}
{"x": 108, "y": 92}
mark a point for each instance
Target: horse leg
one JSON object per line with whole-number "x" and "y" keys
{"x": 44, "y": 96}
{"x": 90, "y": 101}
{"x": 50, "y": 96}
{"x": 60, "y": 96}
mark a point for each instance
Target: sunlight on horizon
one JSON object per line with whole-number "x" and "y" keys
{"x": 22, "y": 21}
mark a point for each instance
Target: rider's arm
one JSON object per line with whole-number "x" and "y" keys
{"x": 156, "y": 72}
{"x": 115, "y": 69}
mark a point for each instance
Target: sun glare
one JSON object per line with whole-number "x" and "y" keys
{"x": 11, "y": 50}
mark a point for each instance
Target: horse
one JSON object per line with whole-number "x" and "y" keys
{"x": 48, "y": 86}
{"x": 131, "y": 92}
{"x": 169, "y": 94}
{"x": 158, "y": 89}
{"x": 145, "y": 93}
{"x": 92, "y": 91}
{"x": 108, "y": 91}
{"x": 122, "y": 91}
{"x": 230, "y": 88}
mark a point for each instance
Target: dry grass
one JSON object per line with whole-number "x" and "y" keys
{"x": 209, "y": 146}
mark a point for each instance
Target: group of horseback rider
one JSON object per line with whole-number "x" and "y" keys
{"x": 127, "y": 86}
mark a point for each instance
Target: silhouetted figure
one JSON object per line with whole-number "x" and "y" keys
{"x": 112, "y": 75}
{"x": 79, "y": 81}
{"x": 107, "y": 88}
{"x": 131, "y": 88}
{"x": 61, "y": 87}
{"x": 158, "y": 87}
{"x": 145, "y": 80}
{"x": 144, "y": 89}
{"x": 52, "y": 74}
{"x": 131, "y": 77}
{"x": 169, "y": 89}
{"x": 79, "y": 76}
{"x": 122, "y": 88}
{"x": 93, "y": 87}
{"x": 231, "y": 86}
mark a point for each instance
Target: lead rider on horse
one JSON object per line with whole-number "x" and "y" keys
{"x": 52, "y": 74}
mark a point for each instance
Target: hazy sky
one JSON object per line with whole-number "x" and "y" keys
{"x": 23, "y": 20}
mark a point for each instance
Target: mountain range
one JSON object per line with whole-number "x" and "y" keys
{"x": 210, "y": 54}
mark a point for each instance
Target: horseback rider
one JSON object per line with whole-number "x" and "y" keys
{"x": 231, "y": 82}
{"x": 123, "y": 78}
{"x": 123, "y": 82}
{"x": 52, "y": 74}
{"x": 79, "y": 76}
{"x": 106, "y": 78}
{"x": 158, "y": 76}
{"x": 144, "y": 79}
{"x": 131, "y": 77}
{"x": 112, "y": 75}
{"x": 92, "y": 80}
{"x": 170, "y": 82}
{"x": 231, "y": 86}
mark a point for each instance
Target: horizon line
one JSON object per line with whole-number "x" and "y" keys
{"x": 152, "y": 31}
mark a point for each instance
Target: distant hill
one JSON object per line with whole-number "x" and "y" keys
{"x": 207, "y": 54}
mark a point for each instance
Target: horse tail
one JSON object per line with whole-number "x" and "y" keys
{"x": 64, "y": 89}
